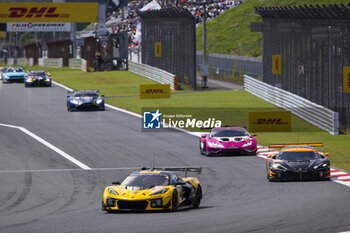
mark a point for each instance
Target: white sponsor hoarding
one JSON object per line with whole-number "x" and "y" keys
{"x": 38, "y": 27}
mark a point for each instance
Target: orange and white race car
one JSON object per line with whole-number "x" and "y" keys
{"x": 297, "y": 161}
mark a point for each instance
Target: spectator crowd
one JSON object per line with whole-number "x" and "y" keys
{"x": 128, "y": 21}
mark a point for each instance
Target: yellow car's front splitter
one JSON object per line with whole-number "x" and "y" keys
{"x": 159, "y": 203}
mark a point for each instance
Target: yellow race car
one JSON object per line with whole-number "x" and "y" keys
{"x": 153, "y": 189}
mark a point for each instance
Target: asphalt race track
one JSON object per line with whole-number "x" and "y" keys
{"x": 42, "y": 191}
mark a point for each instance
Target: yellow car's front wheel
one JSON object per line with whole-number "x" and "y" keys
{"x": 174, "y": 201}
{"x": 197, "y": 200}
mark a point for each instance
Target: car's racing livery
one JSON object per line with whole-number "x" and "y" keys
{"x": 153, "y": 189}
{"x": 298, "y": 161}
{"x": 228, "y": 140}
{"x": 85, "y": 101}
{"x": 38, "y": 78}
{"x": 13, "y": 75}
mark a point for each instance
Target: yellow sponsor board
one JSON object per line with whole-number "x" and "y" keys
{"x": 346, "y": 79}
{"x": 48, "y": 12}
{"x": 158, "y": 49}
{"x": 154, "y": 90}
{"x": 276, "y": 64}
{"x": 270, "y": 121}
{"x": 2, "y": 34}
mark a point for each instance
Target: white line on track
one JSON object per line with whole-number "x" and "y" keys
{"x": 91, "y": 169}
{"x": 49, "y": 145}
{"x": 61, "y": 85}
{"x": 123, "y": 110}
{"x": 70, "y": 170}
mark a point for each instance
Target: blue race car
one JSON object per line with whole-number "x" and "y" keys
{"x": 38, "y": 78}
{"x": 14, "y": 75}
{"x": 85, "y": 101}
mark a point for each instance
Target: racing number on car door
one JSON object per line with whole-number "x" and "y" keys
{"x": 276, "y": 64}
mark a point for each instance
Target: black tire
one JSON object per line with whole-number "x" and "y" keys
{"x": 200, "y": 148}
{"x": 174, "y": 201}
{"x": 198, "y": 196}
{"x": 206, "y": 153}
{"x": 270, "y": 179}
{"x": 69, "y": 109}
{"x": 103, "y": 207}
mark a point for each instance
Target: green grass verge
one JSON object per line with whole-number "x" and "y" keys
{"x": 121, "y": 83}
{"x": 230, "y": 33}
{"x": 113, "y": 83}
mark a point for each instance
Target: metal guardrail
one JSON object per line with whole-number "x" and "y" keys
{"x": 227, "y": 64}
{"x": 315, "y": 114}
{"x": 153, "y": 73}
{"x": 77, "y": 63}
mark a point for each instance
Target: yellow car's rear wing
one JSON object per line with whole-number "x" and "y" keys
{"x": 295, "y": 144}
{"x": 183, "y": 169}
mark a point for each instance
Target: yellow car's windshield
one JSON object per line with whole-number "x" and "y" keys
{"x": 146, "y": 181}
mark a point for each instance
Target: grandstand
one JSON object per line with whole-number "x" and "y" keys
{"x": 126, "y": 20}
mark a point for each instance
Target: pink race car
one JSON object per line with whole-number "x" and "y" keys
{"x": 228, "y": 141}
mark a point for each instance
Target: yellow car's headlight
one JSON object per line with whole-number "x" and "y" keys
{"x": 112, "y": 191}
{"x": 160, "y": 191}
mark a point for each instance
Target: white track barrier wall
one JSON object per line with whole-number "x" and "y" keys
{"x": 51, "y": 62}
{"x": 25, "y": 61}
{"x": 10, "y": 61}
{"x": 315, "y": 114}
{"x": 75, "y": 63}
{"x": 153, "y": 73}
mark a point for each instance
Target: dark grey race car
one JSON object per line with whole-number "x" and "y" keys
{"x": 88, "y": 100}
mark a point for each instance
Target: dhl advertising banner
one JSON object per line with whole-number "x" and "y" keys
{"x": 154, "y": 91}
{"x": 270, "y": 121}
{"x": 48, "y": 12}
{"x": 158, "y": 49}
{"x": 346, "y": 79}
{"x": 276, "y": 64}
